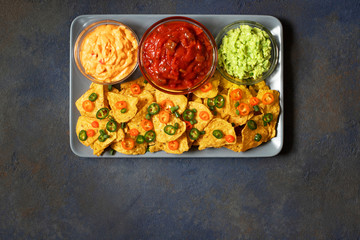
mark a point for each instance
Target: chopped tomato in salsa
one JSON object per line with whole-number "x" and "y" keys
{"x": 177, "y": 55}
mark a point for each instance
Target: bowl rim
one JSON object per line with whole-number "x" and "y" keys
{"x": 178, "y": 19}
{"x": 81, "y": 37}
{"x": 274, "y": 52}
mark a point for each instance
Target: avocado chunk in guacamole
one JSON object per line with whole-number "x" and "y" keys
{"x": 245, "y": 52}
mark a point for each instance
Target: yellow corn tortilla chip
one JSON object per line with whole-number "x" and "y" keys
{"x": 145, "y": 99}
{"x": 178, "y": 100}
{"x": 254, "y": 89}
{"x": 84, "y": 123}
{"x": 273, "y": 108}
{"x": 201, "y": 124}
{"x": 234, "y": 118}
{"x": 97, "y": 146}
{"x": 183, "y": 145}
{"x": 135, "y": 122}
{"x": 131, "y": 106}
{"x": 99, "y": 102}
{"x": 221, "y": 112}
{"x": 225, "y": 84}
{"x": 161, "y": 136}
{"x": 215, "y": 80}
{"x": 248, "y": 135}
{"x": 137, "y": 150}
{"x": 155, "y": 147}
{"x": 208, "y": 139}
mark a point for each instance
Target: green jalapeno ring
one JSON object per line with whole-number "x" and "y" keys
{"x": 153, "y": 109}
{"x": 169, "y": 130}
{"x": 176, "y": 125}
{"x": 218, "y": 134}
{"x": 219, "y": 101}
{"x": 188, "y": 115}
{"x": 211, "y": 102}
{"x": 140, "y": 139}
{"x": 257, "y": 137}
{"x": 123, "y": 110}
{"x": 102, "y": 113}
{"x": 174, "y": 109}
{"x": 93, "y": 97}
{"x": 251, "y": 124}
{"x": 82, "y": 135}
{"x": 194, "y": 134}
{"x": 267, "y": 117}
{"x": 123, "y": 125}
{"x": 111, "y": 126}
{"x": 256, "y": 108}
{"x": 150, "y": 136}
{"x": 148, "y": 116}
{"x": 112, "y": 151}
{"x": 103, "y": 137}
{"x": 177, "y": 114}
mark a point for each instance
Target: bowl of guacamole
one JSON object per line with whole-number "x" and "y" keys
{"x": 247, "y": 52}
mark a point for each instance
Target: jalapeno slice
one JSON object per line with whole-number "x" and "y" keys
{"x": 218, "y": 134}
{"x": 103, "y": 137}
{"x": 267, "y": 117}
{"x": 169, "y": 130}
{"x": 110, "y": 87}
{"x": 251, "y": 124}
{"x": 123, "y": 125}
{"x": 93, "y": 97}
{"x": 256, "y": 108}
{"x": 219, "y": 101}
{"x": 257, "y": 137}
{"x": 153, "y": 109}
{"x": 140, "y": 139}
{"x": 82, "y": 135}
{"x": 102, "y": 113}
{"x": 111, "y": 126}
{"x": 150, "y": 136}
{"x": 174, "y": 109}
{"x": 194, "y": 134}
{"x": 211, "y": 102}
{"x": 188, "y": 115}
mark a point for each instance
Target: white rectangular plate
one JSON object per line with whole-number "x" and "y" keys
{"x": 139, "y": 23}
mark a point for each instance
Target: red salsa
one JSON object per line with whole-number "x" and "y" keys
{"x": 177, "y": 55}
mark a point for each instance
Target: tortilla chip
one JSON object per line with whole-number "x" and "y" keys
{"x": 99, "y": 102}
{"x": 248, "y": 135}
{"x": 215, "y": 80}
{"x": 273, "y": 108}
{"x": 97, "y": 146}
{"x": 208, "y": 139}
{"x": 137, "y": 150}
{"x": 84, "y": 123}
{"x": 178, "y": 100}
{"x": 161, "y": 136}
{"x": 145, "y": 99}
{"x": 131, "y": 107}
{"x": 183, "y": 145}
{"x": 234, "y": 118}
{"x": 201, "y": 124}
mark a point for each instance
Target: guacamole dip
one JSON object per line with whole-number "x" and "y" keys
{"x": 245, "y": 52}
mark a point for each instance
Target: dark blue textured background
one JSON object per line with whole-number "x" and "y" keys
{"x": 311, "y": 190}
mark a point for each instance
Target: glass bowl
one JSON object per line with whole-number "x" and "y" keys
{"x": 79, "y": 46}
{"x": 165, "y": 87}
{"x": 273, "y": 59}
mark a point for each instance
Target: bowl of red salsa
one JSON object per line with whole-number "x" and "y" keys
{"x": 177, "y": 55}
